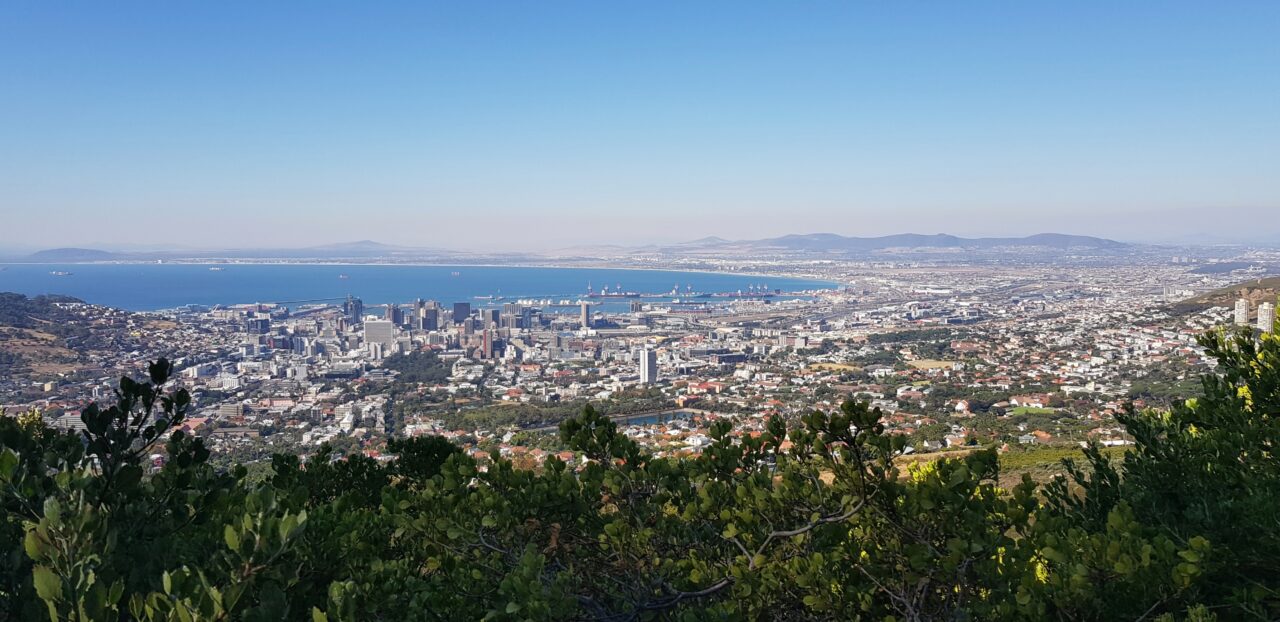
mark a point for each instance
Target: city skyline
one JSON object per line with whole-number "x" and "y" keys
{"x": 430, "y": 125}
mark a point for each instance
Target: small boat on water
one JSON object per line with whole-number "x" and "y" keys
{"x": 215, "y": 269}
{"x": 60, "y": 273}
{"x": 343, "y": 277}
{"x": 455, "y": 273}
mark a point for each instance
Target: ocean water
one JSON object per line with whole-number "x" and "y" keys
{"x": 146, "y": 287}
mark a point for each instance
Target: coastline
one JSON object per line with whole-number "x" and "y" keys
{"x": 98, "y": 282}
{"x": 419, "y": 264}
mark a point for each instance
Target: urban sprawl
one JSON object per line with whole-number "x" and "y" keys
{"x": 1013, "y": 354}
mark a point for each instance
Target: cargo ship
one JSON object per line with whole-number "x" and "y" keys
{"x": 605, "y": 293}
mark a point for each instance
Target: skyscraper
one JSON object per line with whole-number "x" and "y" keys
{"x": 585, "y": 316}
{"x": 394, "y": 315}
{"x": 430, "y": 318}
{"x": 353, "y": 309}
{"x": 379, "y": 331}
{"x": 1266, "y": 317}
{"x": 491, "y": 317}
{"x": 648, "y": 366}
{"x": 461, "y": 311}
{"x": 1242, "y": 312}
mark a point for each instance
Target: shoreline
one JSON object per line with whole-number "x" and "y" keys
{"x": 818, "y": 284}
{"x": 424, "y": 265}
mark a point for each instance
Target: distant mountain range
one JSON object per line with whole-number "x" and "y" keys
{"x": 829, "y": 242}
{"x": 70, "y": 255}
{"x": 363, "y": 249}
{"x": 824, "y": 243}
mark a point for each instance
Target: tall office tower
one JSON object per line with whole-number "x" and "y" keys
{"x": 394, "y": 315}
{"x": 419, "y": 307}
{"x": 379, "y": 331}
{"x": 1266, "y": 317}
{"x": 491, "y": 317}
{"x": 648, "y": 366}
{"x": 1242, "y": 312}
{"x": 461, "y": 311}
{"x": 486, "y": 343}
{"x": 585, "y": 316}
{"x": 257, "y": 325}
{"x": 353, "y": 309}
{"x": 430, "y": 319}
{"x": 510, "y": 315}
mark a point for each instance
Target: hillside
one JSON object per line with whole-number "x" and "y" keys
{"x": 46, "y": 336}
{"x": 1255, "y": 291}
{"x": 71, "y": 255}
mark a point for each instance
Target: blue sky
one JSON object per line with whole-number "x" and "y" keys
{"x": 533, "y": 125}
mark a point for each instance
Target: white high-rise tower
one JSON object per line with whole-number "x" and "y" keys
{"x": 648, "y": 367}
{"x": 1266, "y": 317}
{"x": 1242, "y": 312}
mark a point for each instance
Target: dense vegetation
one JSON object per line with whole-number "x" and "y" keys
{"x": 418, "y": 367}
{"x": 819, "y": 521}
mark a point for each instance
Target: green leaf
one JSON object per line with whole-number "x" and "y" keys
{"x": 318, "y": 616}
{"x": 48, "y": 585}
{"x": 33, "y": 544}
{"x": 8, "y": 464}
{"x": 232, "y": 538}
{"x": 128, "y": 477}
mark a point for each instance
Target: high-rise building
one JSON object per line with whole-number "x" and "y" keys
{"x": 517, "y": 316}
{"x": 585, "y": 315}
{"x": 419, "y": 307}
{"x": 257, "y": 325}
{"x": 394, "y": 315}
{"x": 430, "y": 318}
{"x": 648, "y": 366}
{"x": 1266, "y": 317}
{"x": 461, "y": 311}
{"x": 353, "y": 309}
{"x": 491, "y": 317}
{"x": 380, "y": 331}
{"x": 1242, "y": 312}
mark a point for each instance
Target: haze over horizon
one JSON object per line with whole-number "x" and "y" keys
{"x": 520, "y": 127}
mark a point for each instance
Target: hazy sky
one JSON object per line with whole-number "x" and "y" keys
{"x": 541, "y": 124}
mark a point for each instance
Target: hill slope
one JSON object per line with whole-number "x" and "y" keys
{"x": 1255, "y": 291}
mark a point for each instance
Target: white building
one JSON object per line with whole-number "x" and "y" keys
{"x": 1266, "y": 317}
{"x": 1242, "y": 312}
{"x": 648, "y": 367}
{"x": 380, "y": 331}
